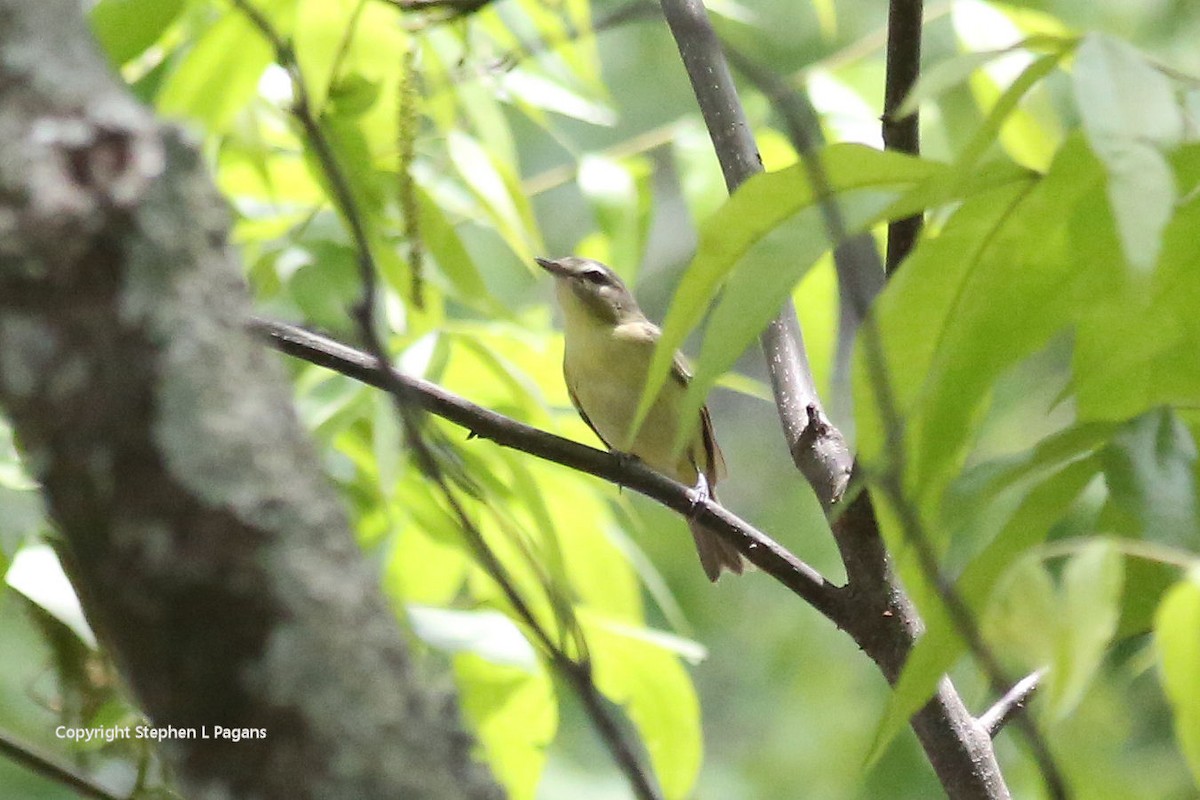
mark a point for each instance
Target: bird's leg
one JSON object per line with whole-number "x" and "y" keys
{"x": 700, "y": 493}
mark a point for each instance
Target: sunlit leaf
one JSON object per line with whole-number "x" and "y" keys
{"x": 760, "y": 206}
{"x": 232, "y": 54}
{"x": 648, "y": 682}
{"x": 948, "y": 74}
{"x": 537, "y": 91}
{"x": 1177, "y": 637}
{"x": 992, "y": 288}
{"x": 498, "y": 190}
{"x": 1006, "y": 106}
{"x": 488, "y": 634}
{"x": 453, "y": 259}
{"x": 514, "y": 714}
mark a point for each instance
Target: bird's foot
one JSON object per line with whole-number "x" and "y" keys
{"x": 700, "y": 494}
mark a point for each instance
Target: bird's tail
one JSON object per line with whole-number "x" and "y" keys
{"x": 715, "y": 553}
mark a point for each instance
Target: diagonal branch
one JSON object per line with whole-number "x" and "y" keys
{"x": 768, "y": 555}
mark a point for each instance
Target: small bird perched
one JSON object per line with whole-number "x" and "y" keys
{"x": 609, "y": 347}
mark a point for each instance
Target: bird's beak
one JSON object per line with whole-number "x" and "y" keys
{"x": 553, "y": 267}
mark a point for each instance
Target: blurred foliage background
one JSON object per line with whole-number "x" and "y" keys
{"x": 547, "y": 127}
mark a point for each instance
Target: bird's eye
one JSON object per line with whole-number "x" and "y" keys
{"x": 594, "y": 276}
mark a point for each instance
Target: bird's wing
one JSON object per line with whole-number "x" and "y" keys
{"x": 716, "y": 461}
{"x": 583, "y": 414}
{"x": 714, "y": 466}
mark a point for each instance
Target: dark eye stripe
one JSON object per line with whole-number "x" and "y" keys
{"x": 594, "y": 276}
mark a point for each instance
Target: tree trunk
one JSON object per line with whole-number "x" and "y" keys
{"x": 209, "y": 550}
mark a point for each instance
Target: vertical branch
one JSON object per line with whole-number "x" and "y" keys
{"x": 818, "y": 448}
{"x": 883, "y": 620}
{"x": 903, "y": 135}
{"x": 859, "y": 269}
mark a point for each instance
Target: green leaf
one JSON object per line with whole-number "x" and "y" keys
{"x": 1147, "y": 580}
{"x": 514, "y": 714}
{"x": 1177, "y": 638}
{"x": 232, "y": 55}
{"x": 1007, "y": 105}
{"x": 763, "y": 279}
{"x": 1043, "y": 501}
{"x": 1068, "y": 627}
{"x": 326, "y": 288}
{"x": 322, "y": 30}
{"x": 992, "y": 288}
{"x": 1150, "y": 468}
{"x": 657, "y": 694}
{"x": 533, "y": 91}
{"x": 1136, "y": 341}
{"x": 756, "y": 209}
{"x": 1092, "y": 585}
{"x": 968, "y": 499}
{"x": 125, "y": 28}
{"x": 428, "y": 563}
{"x": 453, "y": 259}
{"x": 1130, "y": 115}
{"x": 496, "y": 188}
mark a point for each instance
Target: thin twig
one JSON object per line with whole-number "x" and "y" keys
{"x": 1013, "y": 702}
{"x": 52, "y": 769}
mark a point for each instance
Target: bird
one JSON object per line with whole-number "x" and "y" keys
{"x": 608, "y": 346}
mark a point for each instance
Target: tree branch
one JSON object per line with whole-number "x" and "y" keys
{"x": 886, "y": 624}
{"x": 1013, "y": 702}
{"x": 905, "y": 19}
{"x": 768, "y": 555}
{"x": 819, "y": 452}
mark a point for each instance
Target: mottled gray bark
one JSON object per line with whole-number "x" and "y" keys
{"x": 211, "y": 554}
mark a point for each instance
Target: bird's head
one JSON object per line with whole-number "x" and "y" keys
{"x": 594, "y": 287}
